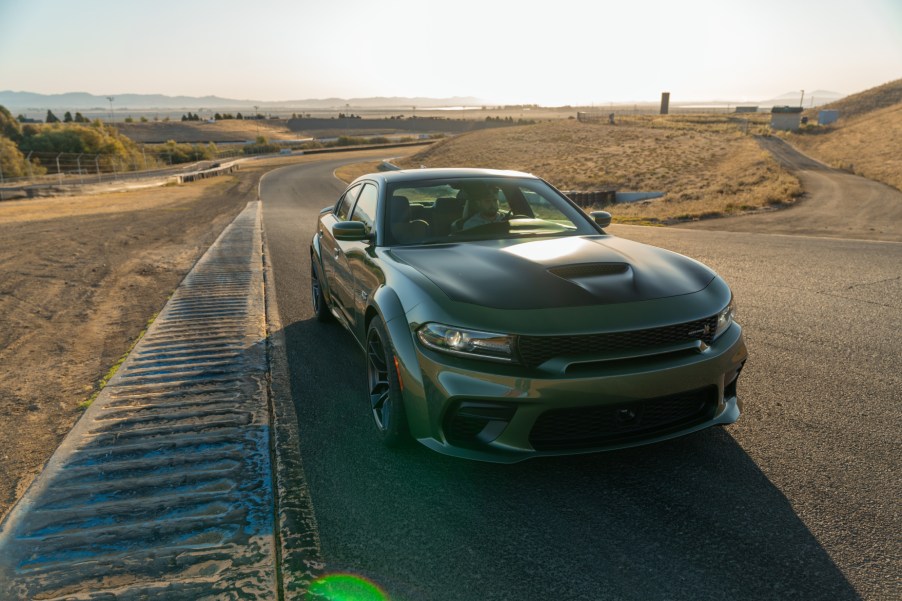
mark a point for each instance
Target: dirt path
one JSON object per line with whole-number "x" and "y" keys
{"x": 79, "y": 279}
{"x": 836, "y": 204}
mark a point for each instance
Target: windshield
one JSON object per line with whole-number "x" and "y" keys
{"x": 448, "y": 210}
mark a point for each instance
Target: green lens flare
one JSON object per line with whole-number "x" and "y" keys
{"x": 344, "y": 587}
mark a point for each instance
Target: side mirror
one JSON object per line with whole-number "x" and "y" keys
{"x": 352, "y": 231}
{"x": 602, "y": 218}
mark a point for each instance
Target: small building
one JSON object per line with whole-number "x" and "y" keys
{"x": 827, "y": 116}
{"x": 785, "y": 118}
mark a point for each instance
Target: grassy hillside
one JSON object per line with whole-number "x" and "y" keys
{"x": 867, "y": 101}
{"x": 866, "y": 139}
{"x": 705, "y": 169}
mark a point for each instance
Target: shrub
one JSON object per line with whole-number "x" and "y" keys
{"x": 78, "y": 138}
{"x": 174, "y": 153}
{"x": 261, "y": 146}
{"x": 9, "y": 127}
{"x": 12, "y": 161}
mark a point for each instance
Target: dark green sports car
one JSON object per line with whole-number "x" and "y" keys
{"x": 500, "y": 322}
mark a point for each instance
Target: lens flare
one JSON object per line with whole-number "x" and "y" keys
{"x": 344, "y": 587}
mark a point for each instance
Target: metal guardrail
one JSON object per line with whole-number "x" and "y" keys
{"x": 592, "y": 198}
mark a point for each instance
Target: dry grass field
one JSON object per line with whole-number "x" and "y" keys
{"x": 865, "y": 140}
{"x": 706, "y": 166}
{"x": 227, "y": 130}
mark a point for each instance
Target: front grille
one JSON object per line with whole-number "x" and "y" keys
{"x": 587, "y": 427}
{"x": 535, "y": 350}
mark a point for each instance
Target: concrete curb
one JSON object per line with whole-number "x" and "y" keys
{"x": 300, "y": 559}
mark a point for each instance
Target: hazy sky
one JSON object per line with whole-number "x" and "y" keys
{"x": 553, "y": 52}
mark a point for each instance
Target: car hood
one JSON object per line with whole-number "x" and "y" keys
{"x": 562, "y": 272}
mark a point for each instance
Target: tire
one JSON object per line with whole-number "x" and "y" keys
{"x": 320, "y": 306}
{"x": 384, "y": 387}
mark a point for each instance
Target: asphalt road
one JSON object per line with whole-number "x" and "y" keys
{"x": 799, "y": 499}
{"x": 834, "y": 203}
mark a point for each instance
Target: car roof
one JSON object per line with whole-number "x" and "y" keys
{"x": 410, "y": 175}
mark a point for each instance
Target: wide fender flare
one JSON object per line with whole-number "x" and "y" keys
{"x": 316, "y": 256}
{"x": 315, "y": 245}
{"x": 389, "y": 308}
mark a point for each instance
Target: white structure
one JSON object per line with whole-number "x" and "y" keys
{"x": 786, "y": 118}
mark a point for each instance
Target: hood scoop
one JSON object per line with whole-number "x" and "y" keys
{"x": 588, "y": 270}
{"x": 555, "y": 273}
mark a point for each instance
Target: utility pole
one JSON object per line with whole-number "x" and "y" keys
{"x": 111, "y": 99}
{"x": 802, "y": 100}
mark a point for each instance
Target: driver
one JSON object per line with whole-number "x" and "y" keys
{"x": 482, "y": 208}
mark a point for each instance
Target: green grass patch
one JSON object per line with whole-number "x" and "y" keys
{"x": 115, "y": 368}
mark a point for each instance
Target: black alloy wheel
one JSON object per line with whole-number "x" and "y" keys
{"x": 384, "y": 386}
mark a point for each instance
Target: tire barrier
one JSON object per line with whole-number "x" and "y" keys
{"x": 198, "y": 175}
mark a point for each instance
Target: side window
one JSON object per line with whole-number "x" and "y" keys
{"x": 346, "y": 202}
{"x": 503, "y": 205}
{"x": 365, "y": 209}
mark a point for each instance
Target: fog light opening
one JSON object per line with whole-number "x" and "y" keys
{"x": 474, "y": 423}
{"x": 729, "y": 390}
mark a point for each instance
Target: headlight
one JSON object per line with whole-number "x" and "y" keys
{"x": 724, "y": 319}
{"x": 467, "y": 343}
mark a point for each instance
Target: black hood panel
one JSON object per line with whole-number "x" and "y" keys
{"x": 513, "y": 274}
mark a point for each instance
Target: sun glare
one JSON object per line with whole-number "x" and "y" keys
{"x": 546, "y": 250}
{"x": 344, "y": 587}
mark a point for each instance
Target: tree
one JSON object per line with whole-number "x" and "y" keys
{"x": 51, "y": 118}
{"x": 9, "y": 127}
{"x": 67, "y": 118}
{"x": 12, "y": 161}
{"x": 79, "y": 118}
{"x": 79, "y": 138}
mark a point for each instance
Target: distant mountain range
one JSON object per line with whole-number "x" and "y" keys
{"x": 77, "y": 101}
{"x": 82, "y": 101}
{"x": 32, "y": 103}
{"x": 813, "y": 98}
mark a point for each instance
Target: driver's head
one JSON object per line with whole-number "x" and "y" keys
{"x": 484, "y": 200}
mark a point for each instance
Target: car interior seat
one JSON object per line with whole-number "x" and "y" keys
{"x": 447, "y": 209}
{"x": 403, "y": 229}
